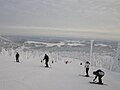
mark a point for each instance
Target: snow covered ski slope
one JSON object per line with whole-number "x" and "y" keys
{"x": 31, "y": 75}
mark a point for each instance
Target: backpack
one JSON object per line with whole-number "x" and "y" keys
{"x": 101, "y": 73}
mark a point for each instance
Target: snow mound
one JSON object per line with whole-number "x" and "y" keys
{"x": 45, "y": 43}
{"x": 103, "y": 45}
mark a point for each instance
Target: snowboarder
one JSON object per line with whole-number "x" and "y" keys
{"x": 17, "y": 57}
{"x": 87, "y": 64}
{"x": 46, "y": 58}
{"x": 99, "y": 73}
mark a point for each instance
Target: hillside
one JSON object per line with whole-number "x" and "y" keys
{"x": 31, "y": 75}
{"x": 104, "y": 52}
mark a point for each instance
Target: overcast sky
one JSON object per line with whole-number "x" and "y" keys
{"x": 73, "y": 18}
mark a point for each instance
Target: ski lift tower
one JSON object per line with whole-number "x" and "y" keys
{"x": 118, "y": 52}
{"x": 91, "y": 51}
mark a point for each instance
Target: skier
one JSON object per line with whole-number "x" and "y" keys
{"x": 87, "y": 64}
{"x": 46, "y": 58}
{"x": 52, "y": 61}
{"x": 99, "y": 73}
{"x": 17, "y": 57}
{"x": 66, "y": 62}
{"x": 80, "y": 63}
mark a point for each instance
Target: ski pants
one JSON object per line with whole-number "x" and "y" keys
{"x": 87, "y": 69}
{"x": 100, "y": 79}
{"x": 17, "y": 59}
{"x": 46, "y": 64}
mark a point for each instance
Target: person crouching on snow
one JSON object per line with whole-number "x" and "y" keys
{"x": 46, "y": 58}
{"x": 87, "y": 65}
{"x": 99, "y": 73}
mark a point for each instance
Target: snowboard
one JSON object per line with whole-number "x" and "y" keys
{"x": 97, "y": 83}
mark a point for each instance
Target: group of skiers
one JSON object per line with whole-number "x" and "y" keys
{"x": 46, "y": 58}
{"x": 98, "y": 74}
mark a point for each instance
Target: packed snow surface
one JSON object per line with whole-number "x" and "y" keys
{"x": 30, "y": 74}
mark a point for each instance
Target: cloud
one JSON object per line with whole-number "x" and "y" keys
{"x": 65, "y": 32}
{"x": 61, "y": 13}
{"x": 74, "y": 18}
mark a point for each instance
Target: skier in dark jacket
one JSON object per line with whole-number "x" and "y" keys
{"x": 99, "y": 73}
{"x": 46, "y": 58}
{"x": 17, "y": 57}
{"x": 87, "y": 65}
